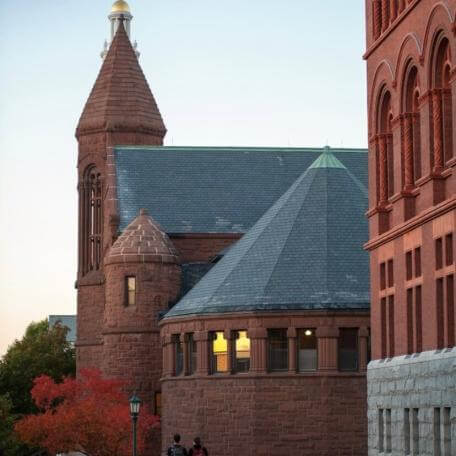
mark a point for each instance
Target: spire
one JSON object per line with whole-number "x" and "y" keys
{"x": 121, "y": 99}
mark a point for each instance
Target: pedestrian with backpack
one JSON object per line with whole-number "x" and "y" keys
{"x": 177, "y": 449}
{"x": 197, "y": 449}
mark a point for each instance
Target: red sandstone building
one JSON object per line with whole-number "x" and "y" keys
{"x": 228, "y": 285}
{"x": 411, "y": 51}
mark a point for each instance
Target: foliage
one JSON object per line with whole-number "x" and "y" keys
{"x": 89, "y": 414}
{"x": 42, "y": 350}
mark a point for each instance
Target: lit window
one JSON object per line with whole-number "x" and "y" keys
{"x": 348, "y": 349}
{"x": 307, "y": 350}
{"x": 191, "y": 346}
{"x": 219, "y": 353}
{"x": 130, "y": 287}
{"x": 242, "y": 352}
{"x": 278, "y": 349}
{"x": 178, "y": 355}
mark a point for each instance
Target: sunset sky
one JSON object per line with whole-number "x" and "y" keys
{"x": 224, "y": 73}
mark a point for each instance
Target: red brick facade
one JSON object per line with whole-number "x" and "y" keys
{"x": 260, "y": 412}
{"x": 411, "y": 51}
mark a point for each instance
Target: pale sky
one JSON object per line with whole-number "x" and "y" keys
{"x": 223, "y": 72}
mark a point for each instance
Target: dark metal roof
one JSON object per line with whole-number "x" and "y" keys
{"x": 304, "y": 253}
{"x": 213, "y": 189}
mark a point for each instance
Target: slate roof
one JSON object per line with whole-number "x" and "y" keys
{"x": 304, "y": 253}
{"x": 213, "y": 189}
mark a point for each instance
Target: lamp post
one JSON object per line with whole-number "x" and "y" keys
{"x": 135, "y": 404}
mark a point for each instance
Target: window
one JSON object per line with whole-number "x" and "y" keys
{"x": 382, "y": 276}
{"x": 192, "y": 351}
{"x": 307, "y": 350}
{"x": 242, "y": 352}
{"x": 410, "y": 320}
{"x": 439, "y": 312}
{"x": 381, "y": 432}
{"x": 130, "y": 291}
{"x": 388, "y": 430}
{"x": 418, "y": 320}
{"x": 219, "y": 353}
{"x": 436, "y": 431}
{"x": 447, "y": 431}
{"x": 348, "y": 349}
{"x": 450, "y": 311}
{"x": 383, "y": 326}
{"x": 277, "y": 349}
{"x": 178, "y": 355}
{"x": 407, "y": 431}
{"x": 90, "y": 221}
{"x": 157, "y": 403}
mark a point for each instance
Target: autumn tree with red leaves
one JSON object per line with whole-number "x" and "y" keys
{"x": 89, "y": 414}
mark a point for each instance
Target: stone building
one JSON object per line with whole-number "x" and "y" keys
{"x": 227, "y": 285}
{"x": 411, "y": 47}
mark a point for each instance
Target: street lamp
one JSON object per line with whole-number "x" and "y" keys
{"x": 135, "y": 404}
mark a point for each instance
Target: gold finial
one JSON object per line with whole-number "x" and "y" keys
{"x": 120, "y": 6}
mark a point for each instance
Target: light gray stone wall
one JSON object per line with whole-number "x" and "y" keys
{"x": 421, "y": 383}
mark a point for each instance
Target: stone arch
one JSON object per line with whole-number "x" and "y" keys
{"x": 410, "y": 48}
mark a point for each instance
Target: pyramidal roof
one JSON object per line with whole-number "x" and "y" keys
{"x": 305, "y": 253}
{"x": 121, "y": 98}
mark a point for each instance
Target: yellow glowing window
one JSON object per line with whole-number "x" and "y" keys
{"x": 242, "y": 358}
{"x": 130, "y": 291}
{"x": 219, "y": 353}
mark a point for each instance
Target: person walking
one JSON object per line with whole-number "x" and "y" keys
{"x": 177, "y": 449}
{"x": 197, "y": 449}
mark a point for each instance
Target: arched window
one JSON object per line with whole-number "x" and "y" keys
{"x": 442, "y": 111}
{"x": 411, "y": 131}
{"x": 90, "y": 221}
{"x": 385, "y": 152}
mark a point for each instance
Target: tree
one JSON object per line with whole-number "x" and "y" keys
{"x": 89, "y": 414}
{"x": 42, "y": 350}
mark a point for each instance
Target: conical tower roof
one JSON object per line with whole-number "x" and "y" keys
{"x": 306, "y": 252}
{"x": 143, "y": 241}
{"x": 121, "y": 99}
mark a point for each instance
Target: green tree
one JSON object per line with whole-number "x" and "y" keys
{"x": 42, "y": 351}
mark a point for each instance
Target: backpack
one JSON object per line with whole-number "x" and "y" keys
{"x": 178, "y": 451}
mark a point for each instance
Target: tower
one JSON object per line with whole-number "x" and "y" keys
{"x": 410, "y": 55}
{"x": 120, "y": 110}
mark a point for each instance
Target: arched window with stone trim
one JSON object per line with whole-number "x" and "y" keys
{"x": 442, "y": 99}
{"x": 411, "y": 128}
{"x": 90, "y": 220}
{"x": 384, "y": 146}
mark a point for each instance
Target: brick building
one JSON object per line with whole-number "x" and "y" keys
{"x": 228, "y": 285}
{"x": 411, "y": 47}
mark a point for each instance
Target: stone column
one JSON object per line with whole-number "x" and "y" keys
{"x": 202, "y": 350}
{"x": 408, "y": 152}
{"x": 401, "y": 6}
{"x": 230, "y": 341}
{"x": 292, "y": 350}
{"x": 437, "y": 124}
{"x": 363, "y": 335}
{"x": 258, "y": 337}
{"x": 393, "y": 10}
{"x": 328, "y": 338}
{"x": 385, "y": 14}
{"x": 377, "y": 13}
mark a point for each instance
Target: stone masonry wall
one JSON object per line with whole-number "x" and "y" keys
{"x": 274, "y": 415}
{"x": 407, "y": 390}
